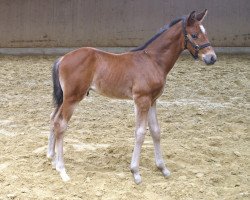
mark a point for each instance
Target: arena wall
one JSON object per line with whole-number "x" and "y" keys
{"x": 112, "y": 23}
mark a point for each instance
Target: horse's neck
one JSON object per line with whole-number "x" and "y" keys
{"x": 167, "y": 48}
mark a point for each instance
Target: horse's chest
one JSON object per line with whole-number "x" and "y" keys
{"x": 158, "y": 85}
{"x": 157, "y": 88}
{"x": 150, "y": 86}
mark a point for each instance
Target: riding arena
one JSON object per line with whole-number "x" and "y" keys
{"x": 133, "y": 112}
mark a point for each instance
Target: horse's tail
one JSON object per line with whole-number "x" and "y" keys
{"x": 57, "y": 89}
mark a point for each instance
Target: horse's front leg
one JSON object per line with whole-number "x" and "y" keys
{"x": 141, "y": 111}
{"x": 156, "y": 135}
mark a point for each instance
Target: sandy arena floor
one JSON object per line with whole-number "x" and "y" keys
{"x": 204, "y": 117}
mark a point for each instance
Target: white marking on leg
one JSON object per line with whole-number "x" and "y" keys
{"x": 139, "y": 138}
{"x": 203, "y": 30}
{"x": 53, "y": 162}
{"x": 155, "y": 133}
{"x": 51, "y": 145}
{"x": 60, "y": 164}
{"x": 141, "y": 120}
{"x": 52, "y": 139}
{"x": 59, "y": 143}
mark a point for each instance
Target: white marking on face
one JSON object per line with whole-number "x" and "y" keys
{"x": 202, "y": 29}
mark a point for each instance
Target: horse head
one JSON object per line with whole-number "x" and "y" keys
{"x": 196, "y": 39}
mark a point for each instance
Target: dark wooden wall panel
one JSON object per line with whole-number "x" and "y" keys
{"x": 74, "y": 23}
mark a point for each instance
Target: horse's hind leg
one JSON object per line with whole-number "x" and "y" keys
{"x": 156, "y": 135}
{"x": 60, "y": 125}
{"x": 51, "y": 144}
{"x": 52, "y": 139}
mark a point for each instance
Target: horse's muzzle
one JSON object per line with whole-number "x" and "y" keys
{"x": 210, "y": 59}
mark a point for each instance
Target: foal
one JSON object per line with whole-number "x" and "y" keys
{"x": 139, "y": 75}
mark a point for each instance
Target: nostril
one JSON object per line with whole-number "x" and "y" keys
{"x": 213, "y": 59}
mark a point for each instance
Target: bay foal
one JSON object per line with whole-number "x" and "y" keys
{"x": 139, "y": 75}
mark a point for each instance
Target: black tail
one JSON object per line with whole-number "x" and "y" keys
{"x": 57, "y": 90}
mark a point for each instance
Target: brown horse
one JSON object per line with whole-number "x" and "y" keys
{"x": 139, "y": 75}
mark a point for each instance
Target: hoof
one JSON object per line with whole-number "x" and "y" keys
{"x": 64, "y": 175}
{"x": 137, "y": 178}
{"x": 166, "y": 173}
{"x": 53, "y": 163}
{"x": 50, "y": 156}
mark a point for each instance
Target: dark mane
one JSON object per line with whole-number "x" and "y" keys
{"x": 162, "y": 30}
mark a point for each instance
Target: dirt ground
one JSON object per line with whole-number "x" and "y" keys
{"x": 204, "y": 118}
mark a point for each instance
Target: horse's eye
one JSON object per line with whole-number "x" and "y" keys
{"x": 194, "y": 36}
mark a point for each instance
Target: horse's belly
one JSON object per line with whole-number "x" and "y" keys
{"x": 112, "y": 90}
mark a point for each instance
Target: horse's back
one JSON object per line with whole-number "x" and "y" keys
{"x": 78, "y": 56}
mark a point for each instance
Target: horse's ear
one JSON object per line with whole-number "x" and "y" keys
{"x": 191, "y": 18}
{"x": 201, "y": 15}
